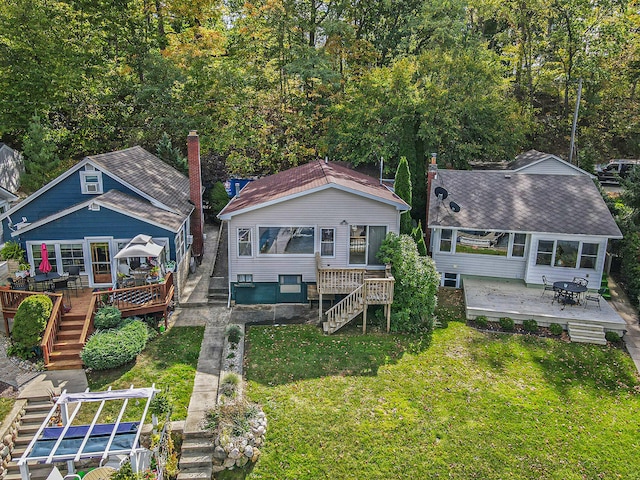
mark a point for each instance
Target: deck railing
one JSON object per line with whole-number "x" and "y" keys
{"x": 87, "y": 326}
{"x": 379, "y": 291}
{"x": 345, "y": 310}
{"x": 53, "y": 325}
{"x": 339, "y": 280}
{"x": 138, "y": 300}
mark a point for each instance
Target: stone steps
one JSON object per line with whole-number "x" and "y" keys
{"x": 584, "y": 333}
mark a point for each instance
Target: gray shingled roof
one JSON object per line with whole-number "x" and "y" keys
{"x": 502, "y": 201}
{"x": 149, "y": 174}
{"x": 115, "y": 200}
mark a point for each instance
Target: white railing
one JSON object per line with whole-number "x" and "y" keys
{"x": 347, "y": 309}
{"x": 339, "y": 280}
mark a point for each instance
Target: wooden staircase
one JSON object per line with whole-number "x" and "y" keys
{"x": 36, "y": 411}
{"x": 67, "y": 346}
{"x": 344, "y": 311}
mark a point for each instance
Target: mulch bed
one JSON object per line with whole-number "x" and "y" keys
{"x": 495, "y": 327}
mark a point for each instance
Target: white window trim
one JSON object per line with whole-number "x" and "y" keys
{"x": 250, "y": 242}
{"x": 553, "y": 254}
{"x": 512, "y": 237}
{"x": 53, "y": 247}
{"x": 442, "y": 279}
{"x": 454, "y": 235}
{"x": 320, "y": 229}
{"x": 83, "y": 182}
{"x": 284, "y": 255}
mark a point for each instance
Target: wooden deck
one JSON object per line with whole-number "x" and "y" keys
{"x": 71, "y": 321}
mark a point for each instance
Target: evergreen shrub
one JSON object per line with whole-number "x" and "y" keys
{"x": 29, "y": 323}
{"x": 556, "y": 329}
{"x": 482, "y": 321}
{"x": 507, "y": 324}
{"x": 112, "y": 348}
{"x": 107, "y": 317}
{"x": 530, "y": 325}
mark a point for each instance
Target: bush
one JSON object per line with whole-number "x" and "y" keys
{"x": 218, "y": 198}
{"x": 30, "y": 322}
{"x": 112, "y": 348}
{"x": 12, "y": 251}
{"x": 482, "y": 321}
{"x": 229, "y": 384}
{"x": 530, "y": 325}
{"x": 507, "y": 324}
{"x": 234, "y": 334}
{"x": 556, "y": 329}
{"x": 612, "y": 337}
{"x": 107, "y": 317}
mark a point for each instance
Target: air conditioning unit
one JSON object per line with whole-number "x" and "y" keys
{"x": 189, "y": 240}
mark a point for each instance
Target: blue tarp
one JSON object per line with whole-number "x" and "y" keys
{"x": 81, "y": 430}
{"x": 70, "y": 446}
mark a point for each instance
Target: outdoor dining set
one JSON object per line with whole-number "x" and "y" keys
{"x": 574, "y": 292}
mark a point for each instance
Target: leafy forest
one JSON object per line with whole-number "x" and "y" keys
{"x": 270, "y": 84}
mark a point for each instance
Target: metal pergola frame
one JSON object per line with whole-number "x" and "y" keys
{"x": 63, "y": 402}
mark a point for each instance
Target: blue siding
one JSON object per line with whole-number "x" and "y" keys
{"x": 103, "y": 223}
{"x": 63, "y": 195}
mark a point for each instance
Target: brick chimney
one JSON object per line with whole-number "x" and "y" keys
{"x": 432, "y": 173}
{"x": 195, "y": 194}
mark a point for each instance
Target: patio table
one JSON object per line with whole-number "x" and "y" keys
{"x": 45, "y": 278}
{"x": 569, "y": 292}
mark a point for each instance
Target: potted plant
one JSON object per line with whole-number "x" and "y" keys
{"x": 24, "y": 270}
{"x": 13, "y": 253}
{"x": 170, "y": 266}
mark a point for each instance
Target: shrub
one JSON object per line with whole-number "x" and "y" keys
{"x": 612, "y": 337}
{"x": 160, "y": 404}
{"x": 12, "y": 251}
{"x": 507, "y": 324}
{"x": 229, "y": 384}
{"x": 30, "y": 322}
{"x": 530, "y": 325}
{"x": 234, "y": 334}
{"x": 107, "y": 317}
{"x": 482, "y": 321}
{"x": 556, "y": 329}
{"x": 112, "y": 348}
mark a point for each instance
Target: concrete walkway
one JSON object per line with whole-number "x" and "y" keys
{"x": 621, "y": 303}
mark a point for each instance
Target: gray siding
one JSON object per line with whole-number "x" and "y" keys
{"x": 555, "y": 274}
{"x": 482, "y": 265}
{"x": 550, "y": 166}
{"x": 327, "y": 208}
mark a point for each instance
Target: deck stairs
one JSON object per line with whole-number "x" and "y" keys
{"x": 344, "y": 311}
{"x": 196, "y": 458}
{"x": 584, "y": 333}
{"x": 36, "y": 411}
{"x": 67, "y": 347}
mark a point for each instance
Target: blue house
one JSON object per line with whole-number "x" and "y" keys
{"x": 91, "y": 211}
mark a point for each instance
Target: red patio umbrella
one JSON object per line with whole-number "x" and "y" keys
{"x": 45, "y": 266}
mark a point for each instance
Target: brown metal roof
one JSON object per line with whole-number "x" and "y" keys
{"x": 298, "y": 180}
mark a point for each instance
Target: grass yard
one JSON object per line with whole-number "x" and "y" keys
{"x": 6, "y": 404}
{"x": 459, "y": 404}
{"x": 169, "y": 361}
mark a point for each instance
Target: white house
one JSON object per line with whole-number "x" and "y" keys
{"x": 277, "y": 226}
{"x": 508, "y": 225}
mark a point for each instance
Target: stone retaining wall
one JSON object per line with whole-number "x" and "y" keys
{"x": 9, "y": 432}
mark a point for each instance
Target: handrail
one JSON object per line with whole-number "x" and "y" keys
{"x": 51, "y": 332}
{"x": 347, "y": 308}
{"x": 339, "y": 280}
{"x": 379, "y": 290}
{"x": 88, "y": 319}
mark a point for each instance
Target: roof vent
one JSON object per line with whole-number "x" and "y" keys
{"x": 507, "y": 175}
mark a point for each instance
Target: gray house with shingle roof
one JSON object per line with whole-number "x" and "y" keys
{"x": 280, "y": 223}
{"x": 87, "y": 214}
{"x": 518, "y": 226}
{"x": 535, "y": 162}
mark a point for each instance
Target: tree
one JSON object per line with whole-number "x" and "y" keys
{"x": 171, "y": 155}
{"x": 416, "y": 284}
{"x": 40, "y": 155}
{"x": 402, "y": 188}
{"x": 418, "y": 236}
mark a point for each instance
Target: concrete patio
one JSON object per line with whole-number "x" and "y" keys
{"x": 497, "y": 298}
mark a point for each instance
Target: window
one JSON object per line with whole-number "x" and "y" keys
{"x": 91, "y": 182}
{"x": 364, "y": 244}
{"x": 450, "y": 280}
{"x": 566, "y": 253}
{"x": 327, "y": 242}
{"x": 545, "y": 252}
{"x": 446, "y": 237}
{"x": 519, "y": 244}
{"x": 589, "y": 255}
{"x": 244, "y": 242}
{"x": 290, "y": 283}
{"x": 286, "y": 240}
{"x": 180, "y": 245}
{"x": 245, "y": 278}
{"x": 481, "y": 242}
{"x": 71, "y": 254}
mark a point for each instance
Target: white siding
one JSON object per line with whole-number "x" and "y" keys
{"x": 551, "y": 166}
{"x": 555, "y": 274}
{"x": 327, "y": 208}
{"x": 481, "y": 265}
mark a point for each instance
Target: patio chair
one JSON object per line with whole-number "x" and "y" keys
{"x": 18, "y": 284}
{"x": 581, "y": 281}
{"x": 547, "y": 286}
{"x": 62, "y": 285}
{"x": 74, "y": 276}
{"x": 594, "y": 298}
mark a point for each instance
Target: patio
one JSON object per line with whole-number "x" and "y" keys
{"x": 497, "y": 298}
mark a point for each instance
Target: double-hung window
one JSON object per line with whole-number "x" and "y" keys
{"x": 446, "y": 240}
{"x": 244, "y": 242}
{"x": 567, "y": 254}
{"x": 327, "y": 242}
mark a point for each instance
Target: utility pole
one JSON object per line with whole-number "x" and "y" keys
{"x": 575, "y": 123}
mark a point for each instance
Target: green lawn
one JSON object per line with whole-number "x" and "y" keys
{"x": 6, "y": 404}
{"x": 460, "y": 404}
{"x": 169, "y": 361}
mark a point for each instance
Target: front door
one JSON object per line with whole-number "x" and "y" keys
{"x": 100, "y": 262}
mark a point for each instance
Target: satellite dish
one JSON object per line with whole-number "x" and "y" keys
{"x": 454, "y": 206}
{"x": 441, "y": 193}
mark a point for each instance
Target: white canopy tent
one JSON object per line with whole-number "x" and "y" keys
{"x": 140, "y": 246}
{"x": 71, "y": 443}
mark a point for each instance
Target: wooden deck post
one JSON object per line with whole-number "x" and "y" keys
{"x": 387, "y": 310}
{"x": 320, "y": 307}
{"x": 364, "y": 319}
